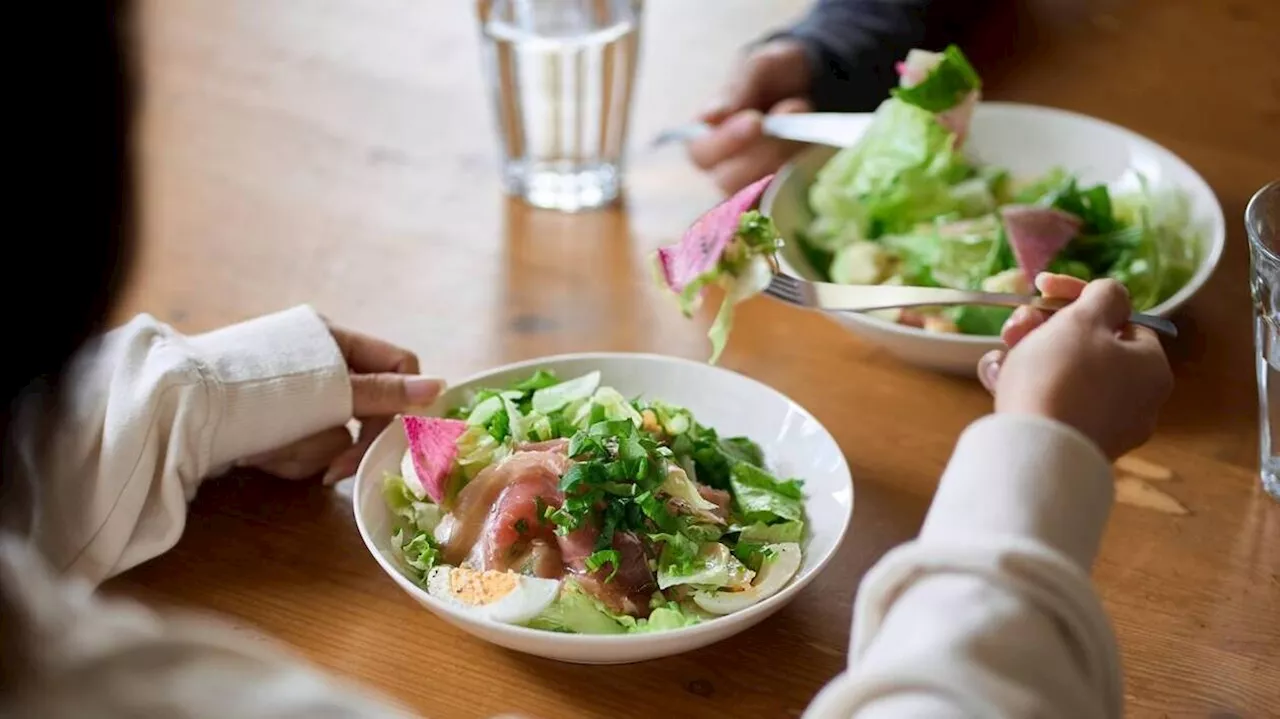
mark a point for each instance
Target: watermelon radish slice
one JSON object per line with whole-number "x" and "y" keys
{"x": 433, "y": 444}
{"x": 700, "y": 249}
{"x": 1037, "y": 235}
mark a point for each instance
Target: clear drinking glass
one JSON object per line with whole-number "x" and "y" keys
{"x": 561, "y": 74}
{"x": 1262, "y": 218}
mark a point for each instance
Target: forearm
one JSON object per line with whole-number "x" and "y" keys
{"x": 148, "y": 414}
{"x": 853, "y": 45}
{"x": 990, "y": 611}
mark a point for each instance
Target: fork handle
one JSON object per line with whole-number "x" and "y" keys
{"x": 1053, "y": 304}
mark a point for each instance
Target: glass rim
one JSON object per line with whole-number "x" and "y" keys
{"x": 1255, "y": 208}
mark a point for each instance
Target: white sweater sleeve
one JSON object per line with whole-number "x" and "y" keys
{"x": 149, "y": 413}
{"x": 990, "y": 612}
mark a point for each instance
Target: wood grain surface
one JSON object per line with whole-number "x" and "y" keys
{"x": 342, "y": 153}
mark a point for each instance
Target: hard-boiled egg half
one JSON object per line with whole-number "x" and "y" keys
{"x": 504, "y": 597}
{"x": 781, "y": 563}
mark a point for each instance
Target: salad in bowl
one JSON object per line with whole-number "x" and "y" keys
{"x": 944, "y": 190}
{"x": 561, "y": 504}
{"x": 910, "y": 204}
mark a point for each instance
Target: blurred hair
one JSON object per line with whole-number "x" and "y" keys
{"x": 73, "y": 184}
{"x": 71, "y": 228}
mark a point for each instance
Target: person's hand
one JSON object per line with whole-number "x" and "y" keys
{"x": 1084, "y": 366}
{"x": 384, "y": 383}
{"x": 774, "y": 78}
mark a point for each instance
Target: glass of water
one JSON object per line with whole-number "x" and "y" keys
{"x": 1262, "y": 218}
{"x": 561, "y": 74}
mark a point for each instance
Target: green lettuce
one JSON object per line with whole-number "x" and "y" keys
{"x": 713, "y": 566}
{"x": 556, "y": 397}
{"x": 663, "y": 619}
{"x": 415, "y": 551}
{"x": 761, "y": 497}
{"x": 898, "y": 175}
{"x": 745, "y": 270}
{"x": 417, "y": 514}
{"x": 761, "y": 533}
{"x": 979, "y": 320}
{"x": 946, "y": 85}
{"x": 577, "y": 612}
{"x": 1164, "y": 252}
{"x": 477, "y": 449}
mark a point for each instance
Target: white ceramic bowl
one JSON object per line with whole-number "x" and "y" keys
{"x": 794, "y": 443}
{"x": 1028, "y": 140}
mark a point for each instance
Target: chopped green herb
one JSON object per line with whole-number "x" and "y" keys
{"x": 601, "y": 557}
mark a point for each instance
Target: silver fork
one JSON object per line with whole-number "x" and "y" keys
{"x": 863, "y": 298}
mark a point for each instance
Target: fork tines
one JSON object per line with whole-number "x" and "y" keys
{"x": 790, "y": 289}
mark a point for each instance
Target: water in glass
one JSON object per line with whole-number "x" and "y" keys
{"x": 1263, "y": 222}
{"x": 561, "y": 73}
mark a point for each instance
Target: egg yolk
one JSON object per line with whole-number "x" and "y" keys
{"x": 479, "y": 588}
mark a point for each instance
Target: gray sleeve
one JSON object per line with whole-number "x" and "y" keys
{"x": 853, "y": 45}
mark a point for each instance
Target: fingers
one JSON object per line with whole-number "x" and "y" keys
{"x": 1146, "y": 344}
{"x": 386, "y": 393}
{"x": 1061, "y": 287}
{"x": 370, "y": 354}
{"x": 737, "y": 155}
{"x": 791, "y": 106}
{"x": 1021, "y": 323}
{"x": 989, "y": 369}
{"x": 763, "y": 159}
{"x": 1105, "y": 302}
{"x": 726, "y": 140}
{"x": 305, "y": 458}
{"x": 346, "y": 463}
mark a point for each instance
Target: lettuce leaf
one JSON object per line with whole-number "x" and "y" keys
{"x": 416, "y": 553}
{"x": 412, "y": 512}
{"x": 577, "y": 612}
{"x": 714, "y": 566}
{"x": 898, "y": 175}
{"x": 552, "y": 398}
{"x": 761, "y": 533}
{"x": 477, "y": 449}
{"x": 1164, "y": 252}
{"x": 761, "y": 497}
{"x": 946, "y": 85}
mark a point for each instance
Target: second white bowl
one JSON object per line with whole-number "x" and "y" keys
{"x": 1028, "y": 140}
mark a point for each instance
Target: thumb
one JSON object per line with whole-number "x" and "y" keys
{"x": 388, "y": 393}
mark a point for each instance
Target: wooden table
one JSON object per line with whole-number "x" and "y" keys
{"x": 341, "y": 153}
